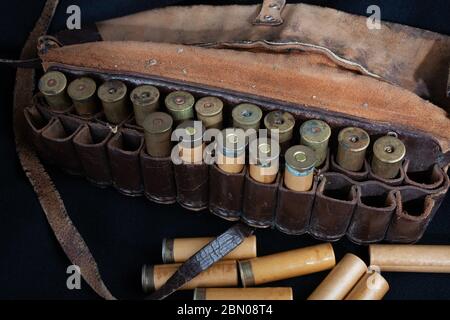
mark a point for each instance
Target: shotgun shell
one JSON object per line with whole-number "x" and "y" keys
{"x": 341, "y": 280}
{"x": 209, "y": 112}
{"x": 82, "y": 92}
{"x": 388, "y": 154}
{"x": 372, "y": 286}
{"x": 353, "y": 143}
{"x": 299, "y": 171}
{"x": 53, "y": 86}
{"x": 410, "y": 258}
{"x": 180, "y": 105}
{"x": 288, "y": 264}
{"x": 247, "y": 116}
{"x": 181, "y": 249}
{"x": 231, "y": 148}
{"x": 279, "y": 293}
{"x": 221, "y": 274}
{"x": 145, "y": 100}
{"x": 284, "y": 122}
{"x": 158, "y": 130}
{"x": 113, "y": 96}
{"x": 191, "y": 145}
{"x": 316, "y": 134}
{"x": 264, "y": 160}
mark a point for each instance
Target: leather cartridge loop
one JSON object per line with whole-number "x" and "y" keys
{"x": 203, "y": 259}
{"x": 270, "y": 13}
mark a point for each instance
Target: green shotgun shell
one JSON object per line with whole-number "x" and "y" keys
{"x": 209, "y": 112}
{"x": 180, "y": 105}
{"x": 82, "y": 92}
{"x": 388, "y": 154}
{"x": 353, "y": 143}
{"x": 316, "y": 134}
{"x": 284, "y": 122}
{"x": 145, "y": 100}
{"x": 247, "y": 116}
{"x": 113, "y": 96}
{"x": 158, "y": 130}
{"x": 53, "y": 86}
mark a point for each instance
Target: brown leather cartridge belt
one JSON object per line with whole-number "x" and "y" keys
{"x": 276, "y": 58}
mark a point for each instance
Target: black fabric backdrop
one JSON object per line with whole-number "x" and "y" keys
{"x": 124, "y": 233}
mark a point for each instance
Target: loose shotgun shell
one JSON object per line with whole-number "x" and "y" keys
{"x": 53, "y": 86}
{"x": 82, "y": 92}
{"x": 410, "y": 258}
{"x": 284, "y": 122}
{"x": 288, "y": 264}
{"x": 158, "y": 130}
{"x": 316, "y": 134}
{"x": 181, "y": 249}
{"x": 388, "y": 154}
{"x": 247, "y": 116}
{"x": 180, "y": 105}
{"x": 145, "y": 100}
{"x": 209, "y": 112}
{"x": 221, "y": 274}
{"x": 299, "y": 171}
{"x": 264, "y": 160}
{"x": 279, "y": 293}
{"x": 231, "y": 150}
{"x": 372, "y": 286}
{"x": 113, "y": 97}
{"x": 341, "y": 280}
{"x": 191, "y": 145}
{"x": 353, "y": 143}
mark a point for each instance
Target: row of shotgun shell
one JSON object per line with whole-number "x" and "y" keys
{"x": 349, "y": 279}
{"x": 300, "y": 160}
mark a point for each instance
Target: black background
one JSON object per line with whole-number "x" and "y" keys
{"x": 124, "y": 233}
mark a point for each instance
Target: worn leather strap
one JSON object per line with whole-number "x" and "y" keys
{"x": 28, "y": 63}
{"x": 448, "y": 83}
{"x": 203, "y": 259}
{"x": 68, "y": 236}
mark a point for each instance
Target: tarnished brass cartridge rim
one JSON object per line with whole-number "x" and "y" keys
{"x": 299, "y": 171}
{"x": 181, "y": 105}
{"x": 246, "y": 115}
{"x": 389, "y": 149}
{"x": 82, "y": 92}
{"x": 209, "y": 106}
{"x": 264, "y": 152}
{"x": 158, "y": 122}
{"x": 193, "y": 134}
{"x": 82, "y": 89}
{"x": 112, "y": 91}
{"x": 284, "y": 122}
{"x": 233, "y": 143}
{"x": 300, "y": 160}
{"x": 388, "y": 154}
{"x": 52, "y": 83}
{"x": 144, "y": 96}
{"x": 354, "y": 139}
{"x": 353, "y": 143}
{"x": 316, "y": 134}
{"x": 147, "y": 282}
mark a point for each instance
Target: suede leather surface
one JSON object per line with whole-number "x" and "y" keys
{"x": 412, "y": 58}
